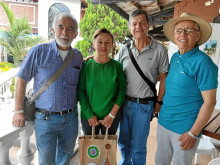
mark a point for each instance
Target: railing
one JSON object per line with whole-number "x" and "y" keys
{"x": 8, "y": 133}
{"x": 6, "y": 80}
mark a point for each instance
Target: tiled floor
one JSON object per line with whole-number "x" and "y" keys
{"x": 152, "y": 146}
{"x": 151, "y": 150}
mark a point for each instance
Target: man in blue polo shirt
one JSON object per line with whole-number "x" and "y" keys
{"x": 56, "y": 123}
{"x": 190, "y": 91}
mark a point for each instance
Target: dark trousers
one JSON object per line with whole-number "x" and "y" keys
{"x": 87, "y": 129}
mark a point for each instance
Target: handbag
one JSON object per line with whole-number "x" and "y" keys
{"x": 29, "y": 108}
{"x": 98, "y": 149}
{"x": 151, "y": 85}
{"x": 212, "y": 128}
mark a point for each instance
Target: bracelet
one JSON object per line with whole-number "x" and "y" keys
{"x": 191, "y": 134}
{"x": 112, "y": 116}
{"x": 159, "y": 102}
{"x": 18, "y": 111}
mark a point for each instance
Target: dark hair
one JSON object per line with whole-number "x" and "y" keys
{"x": 99, "y": 31}
{"x": 136, "y": 13}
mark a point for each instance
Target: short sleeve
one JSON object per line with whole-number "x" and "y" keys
{"x": 207, "y": 75}
{"x": 28, "y": 67}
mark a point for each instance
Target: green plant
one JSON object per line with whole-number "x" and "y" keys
{"x": 100, "y": 16}
{"x": 5, "y": 66}
{"x": 18, "y": 37}
{"x": 12, "y": 87}
{"x": 83, "y": 46}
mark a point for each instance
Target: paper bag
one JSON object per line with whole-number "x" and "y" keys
{"x": 212, "y": 127}
{"x": 98, "y": 149}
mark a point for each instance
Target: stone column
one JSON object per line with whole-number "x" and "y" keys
{"x": 4, "y": 153}
{"x": 26, "y": 153}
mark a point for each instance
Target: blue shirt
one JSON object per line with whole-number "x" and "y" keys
{"x": 41, "y": 63}
{"x": 189, "y": 74}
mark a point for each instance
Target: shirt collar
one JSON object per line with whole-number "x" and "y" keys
{"x": 150, "y": 46}
{"x": 189, "y": 53}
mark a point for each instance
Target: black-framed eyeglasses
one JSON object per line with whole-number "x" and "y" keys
{"x": 186, "y": 30}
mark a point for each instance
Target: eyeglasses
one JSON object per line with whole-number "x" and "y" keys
{"x": 186, "y": 30}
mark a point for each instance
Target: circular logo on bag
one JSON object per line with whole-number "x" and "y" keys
{"x": 93, "y": 152}
{"x": 91, "y": 163}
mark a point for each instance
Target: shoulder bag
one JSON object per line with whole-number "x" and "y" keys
{"x": 29, "y": 108}
{"x": 152, "y": 86}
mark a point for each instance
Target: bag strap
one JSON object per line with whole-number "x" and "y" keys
{"x": 152, "y": 86}
{"x": 93, "y": 131}
{"x": 52, "y": 79}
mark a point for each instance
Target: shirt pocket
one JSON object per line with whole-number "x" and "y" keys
{"x": 73, "y": 76}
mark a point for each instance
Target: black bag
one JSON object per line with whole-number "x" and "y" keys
{"x": 29, "y": 109}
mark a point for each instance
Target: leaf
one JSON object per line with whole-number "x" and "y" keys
{"x": 9, "y": 13}
{"x": 18, "y": 38}
{"x": 100, "y": 16}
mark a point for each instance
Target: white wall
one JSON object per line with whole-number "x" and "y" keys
{"x": 216, "y": 36}
{"x": 43, "y": 9}
{"x": 218, "y": 90}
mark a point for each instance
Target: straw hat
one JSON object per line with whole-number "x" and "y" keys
{"x": 205, "y": 27}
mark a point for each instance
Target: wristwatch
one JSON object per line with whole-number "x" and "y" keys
{"x": 159, "y": 102}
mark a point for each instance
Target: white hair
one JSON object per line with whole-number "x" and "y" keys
{"x": 67, "y": 15}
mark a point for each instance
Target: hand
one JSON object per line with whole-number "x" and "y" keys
{"x": 18, "y": 120}
{"x": 107, "y": 121}
{"x": 157, "y": 108}
{"x": 93, "y": 121}
{"x": 88, "y": 57}
{"x": 187, "y": 142}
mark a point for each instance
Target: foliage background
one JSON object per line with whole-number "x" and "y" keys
{"x": 18, "y": 37}
{"x": 100, "y": 16}
{"x": 5, "y": 66}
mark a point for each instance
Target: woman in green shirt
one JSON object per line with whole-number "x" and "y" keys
{"x": 101, "y": 88}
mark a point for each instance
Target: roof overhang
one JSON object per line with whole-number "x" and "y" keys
{"x": 158, "y": 11}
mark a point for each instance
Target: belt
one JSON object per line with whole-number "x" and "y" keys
{"x": 140, "y": 100}
{"x": 48, "y": 113}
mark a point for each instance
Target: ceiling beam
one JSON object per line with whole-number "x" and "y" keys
{"x": 118, "y": 10}
{"x": 149, "y": 5}
{"x": 164, "y": 13}
{"x": 114, "y": 1}
{"x": 152, "y": 18}
{"x": 157, "y": 33}
{"x": 157, "y": 22}
{"x": 155, "y": 19}
{"x": 136, "y": 4}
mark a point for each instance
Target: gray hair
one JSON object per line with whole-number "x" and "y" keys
{"x": 136, "y": 13}
{"x": 67, "y": 15}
